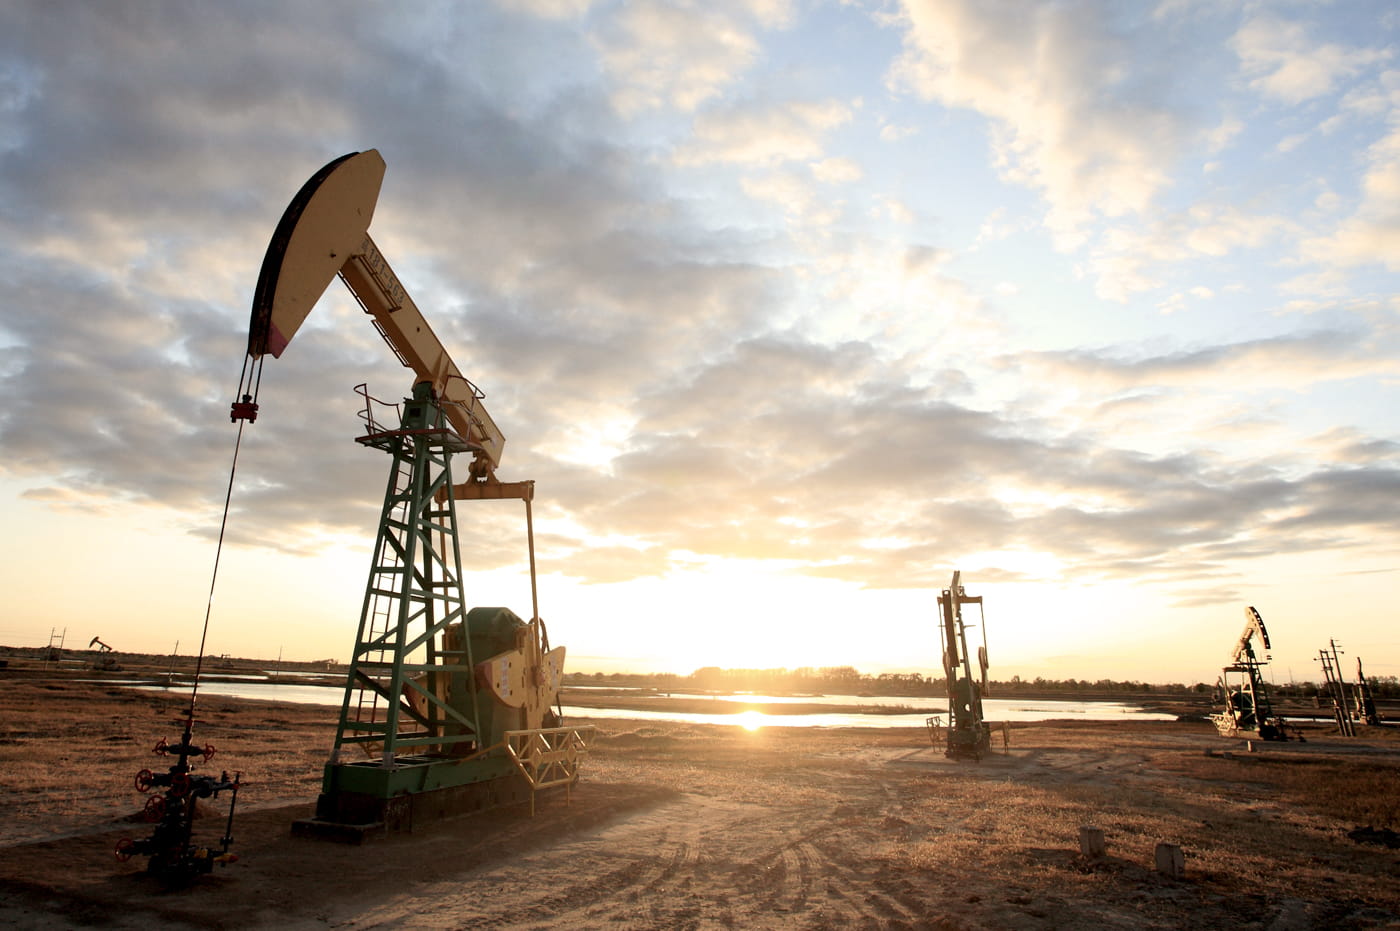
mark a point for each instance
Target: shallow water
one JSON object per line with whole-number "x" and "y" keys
{"x": 729, "y": 709}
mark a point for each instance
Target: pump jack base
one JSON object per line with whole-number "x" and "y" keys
{"x": 355, "y": 817}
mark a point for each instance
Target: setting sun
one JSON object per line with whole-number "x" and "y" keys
{"x": 751, "y": 720}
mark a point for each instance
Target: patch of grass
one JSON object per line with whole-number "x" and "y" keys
{"x": 1357, "y": 792}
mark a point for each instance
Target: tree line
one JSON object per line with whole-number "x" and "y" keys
{"x": 847, "y": 680}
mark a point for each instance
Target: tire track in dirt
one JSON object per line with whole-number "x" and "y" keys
{"x": 514, "y": 897}
{"x": 669, "y": 867}
{"x": 623, "y": 873}
{"x": 825, "y": 873}
{"x": 846, "y": 893}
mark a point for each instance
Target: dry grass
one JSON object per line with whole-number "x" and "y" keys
{"x": 70, "y": 750}
{"x": 1353, "y": 791}
{"x": 688, "y": 826}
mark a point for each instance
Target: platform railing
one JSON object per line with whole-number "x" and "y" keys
{"x": 549, "y": 756}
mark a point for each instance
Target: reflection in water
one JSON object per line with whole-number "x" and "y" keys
{"x": 729, "y": 709}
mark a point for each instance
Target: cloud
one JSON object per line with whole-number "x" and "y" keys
{"x": 1372, "y": 233}
{"x": 891, "y": 132}
{"x": 837, "y": 170}
{"x": 1345, "y": 446}
{"x": 1098, "y": 111}
{"x": 549, "y": 9}
{"x": 121, "y": 285}
{"x": 1223, "y": 134}
{"x": 762, "y": 135}
{"x": 1053, "y": 82}
{"x": 1129, "y": 260}
{"x": 687, "y": 384}
{"x": 1296, "y": 359}
{"x": 856, "y": 457}
{"x": 681, "y": 55}
{"x": 1284, "y": 61}
{"x": 792, "y": 194}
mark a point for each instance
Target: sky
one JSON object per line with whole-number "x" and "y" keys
{"x": 790, "y": 309}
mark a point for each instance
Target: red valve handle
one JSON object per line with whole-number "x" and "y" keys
{"x": 155, "y": 808}
{"x": 125, "y": 848}
{"x": 144, "y": 780}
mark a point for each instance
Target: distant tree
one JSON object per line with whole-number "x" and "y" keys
{"x": 708, "y": 677}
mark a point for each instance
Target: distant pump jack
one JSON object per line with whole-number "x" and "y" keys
{"x": 1366, "y": 711}
{"x": 967, "y": 735}
{"x": 1248, "y": 711}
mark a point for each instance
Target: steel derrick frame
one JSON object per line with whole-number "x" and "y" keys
{"x": 413, "y": 593}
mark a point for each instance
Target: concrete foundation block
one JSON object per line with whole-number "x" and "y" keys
{"x": 1171, "y": 861}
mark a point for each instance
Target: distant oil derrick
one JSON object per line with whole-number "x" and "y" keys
{"x": 1248, "y": 710}
{"x": 967, "y": 734}
{"x": 106, "y": 656}
{"x": 1351, "y": 704}
{"x": 1365, "y": 703}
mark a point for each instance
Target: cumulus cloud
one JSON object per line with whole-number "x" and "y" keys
{"x": 836, "y": 170}
{"x": 1282, "y": 60}
{"x": 1372, "y": 233}
{"x": 681, "y": 55}
{"x": 1091, "y": 106}
{"x": 753, "y": 134}
{"x": 792, "y": 194}
{"x": 1052, "y": 80}
{"x": 1129, "y": 260}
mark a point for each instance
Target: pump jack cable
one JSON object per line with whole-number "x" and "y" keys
{"x": 218, "y": 551}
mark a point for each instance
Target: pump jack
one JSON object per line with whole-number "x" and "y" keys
{"x": 445, "y": 710}
{"x": 106, "y": 657}
{"x": 1248, "y": 711}
{"x": 1366, "y": 711}
{"x": 967, "y": 734}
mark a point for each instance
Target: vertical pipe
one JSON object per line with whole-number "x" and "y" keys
{"x": 530, "y": 537}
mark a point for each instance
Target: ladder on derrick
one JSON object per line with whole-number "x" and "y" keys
{"x": 411, "y": 653}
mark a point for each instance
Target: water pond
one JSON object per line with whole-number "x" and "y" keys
{"x": 731, "y": 708}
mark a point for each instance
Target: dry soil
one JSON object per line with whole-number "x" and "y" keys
{"x": 682, "y": 826}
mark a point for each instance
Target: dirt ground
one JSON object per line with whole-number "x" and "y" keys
{"x": 706, "y": 826}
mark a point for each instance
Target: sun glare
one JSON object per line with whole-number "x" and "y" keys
{"x": 594, "y": 444}
{"x": 750, "y": 720}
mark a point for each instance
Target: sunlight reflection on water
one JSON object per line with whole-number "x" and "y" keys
{"x": 729, "y": 708}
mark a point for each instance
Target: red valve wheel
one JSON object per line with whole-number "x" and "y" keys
{"x": 209, "y": 752}
{"x": 144, "y": 780}
{"x": 126, "y": 847}
{"x": 179, "y": 785}
{"x": 155, "y": 808}
{"x": 161, "y": 747}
